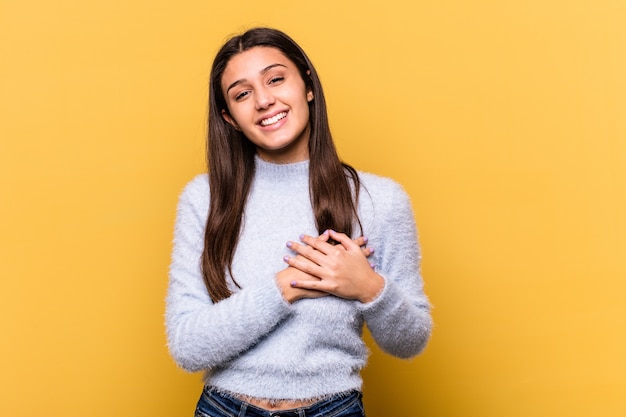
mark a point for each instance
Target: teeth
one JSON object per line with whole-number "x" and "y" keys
{"x": 274, "y": 119}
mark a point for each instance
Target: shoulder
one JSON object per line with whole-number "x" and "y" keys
{"x": 386, "y": 212}
{"x": 380, "y": 188}
{"x": 384, "y": 199}
{"x": 195, "y": 196}
{"x": 199, "y": 184}
{"x": 196, "y": 189}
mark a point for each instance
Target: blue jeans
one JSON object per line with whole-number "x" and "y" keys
{"x": 214, "y": 404}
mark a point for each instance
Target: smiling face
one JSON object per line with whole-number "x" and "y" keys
{"x": 268, "y": 102}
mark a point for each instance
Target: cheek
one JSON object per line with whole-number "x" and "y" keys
{"x": 237, "y": 114}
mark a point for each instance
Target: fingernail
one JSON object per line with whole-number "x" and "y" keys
{"x": 373, "y": 265}
{"x": 286, "y": 259}
{"x": 372, "y": 250}
{"x": 301, "y": 237}
{"x": 365, "y": 239}
{"x": 293, "y": 283}
{"x": 326, "y": 232}
{"x": 289, "y": 244}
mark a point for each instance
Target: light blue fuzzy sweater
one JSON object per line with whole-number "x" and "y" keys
{"x": 256, "y": 344}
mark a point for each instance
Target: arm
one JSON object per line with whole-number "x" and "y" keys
{"x": 203, "y": 335}
{"x": 393, "y": 303}
{"x": 341, "y": 270}
{"x": 399, "y": 319}
{"x": 321, "y": 269}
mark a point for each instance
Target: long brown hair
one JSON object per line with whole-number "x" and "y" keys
{"x": 333, "y": 185}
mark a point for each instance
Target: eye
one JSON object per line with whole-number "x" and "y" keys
{"x": 277, "y": 79}
{"x": 241, "y": 95}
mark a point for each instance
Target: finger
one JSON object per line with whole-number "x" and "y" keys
{"x": 319, "y": 244}
{"x": 306, "y": 285}
{"x": 344, "y": 239}
{"x": 324, "y": 236}
{"x": 305, "y": 292}
{"x": 303, "y": 264}
{"x": 306, "y": 251}
{"x": 361, "y": 241}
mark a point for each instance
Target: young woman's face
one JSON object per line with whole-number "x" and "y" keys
{"x": 268, "y": 101}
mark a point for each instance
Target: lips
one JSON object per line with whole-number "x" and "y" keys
{"x": 274, "y": 119}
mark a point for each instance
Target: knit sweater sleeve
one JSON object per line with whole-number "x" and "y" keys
{"x": 201, "y": 334}
{"x": 399, "y": 318}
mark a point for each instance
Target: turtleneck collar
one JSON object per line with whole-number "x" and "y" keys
{"x": 279, "y": 172}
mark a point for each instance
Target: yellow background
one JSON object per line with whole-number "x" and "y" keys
{"x": 505, "y": 121}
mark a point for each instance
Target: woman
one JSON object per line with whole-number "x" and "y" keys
{"x": 271, "y": 280}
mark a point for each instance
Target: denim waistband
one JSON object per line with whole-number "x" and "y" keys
{"x": 230, "y": 406}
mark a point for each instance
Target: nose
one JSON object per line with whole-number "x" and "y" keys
{"x": 263, "y": 98}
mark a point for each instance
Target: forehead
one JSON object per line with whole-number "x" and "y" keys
{"x": 250, "y": 63}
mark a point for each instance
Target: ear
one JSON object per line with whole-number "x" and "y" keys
{"x": 230, "y": 120}
{"x": 309, "y": 92}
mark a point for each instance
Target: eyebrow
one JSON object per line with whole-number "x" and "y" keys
{"x": 263, "y": 71}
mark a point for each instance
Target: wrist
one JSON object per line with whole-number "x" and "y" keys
{"x": 282, "y": 283}
{"x": 373, "y": 288}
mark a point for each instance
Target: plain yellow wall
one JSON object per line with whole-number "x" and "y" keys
{"x": 505, "y": 120}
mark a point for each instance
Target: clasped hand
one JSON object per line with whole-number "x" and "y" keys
{"x": 320, "y": 268}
